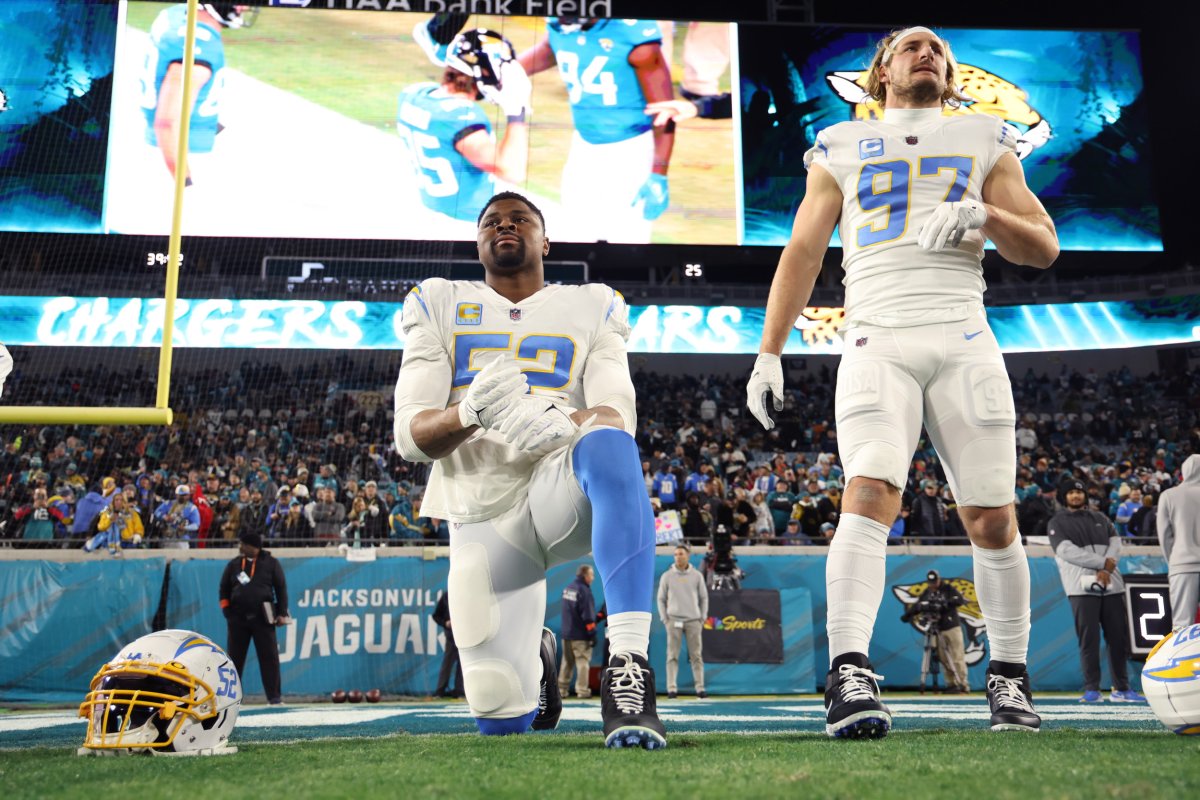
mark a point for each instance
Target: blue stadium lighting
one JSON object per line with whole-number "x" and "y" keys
{"x": 1081, "y": 312}
{"x": 1113, "y": 321}
{"x": 1034, "y": 328}
{"x": 1063, "y": 329}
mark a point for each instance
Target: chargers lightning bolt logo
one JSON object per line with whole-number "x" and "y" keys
{"x": 1180, "y": 668}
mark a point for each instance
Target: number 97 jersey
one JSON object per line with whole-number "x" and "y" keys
{"x": 892, "y": 177}
{"x": 569, "y": 341}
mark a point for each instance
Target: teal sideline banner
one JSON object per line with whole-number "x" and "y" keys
{"x": 357, "y": 325}
{"x": 369, "y": 625}
{"x": 60, "y": 622}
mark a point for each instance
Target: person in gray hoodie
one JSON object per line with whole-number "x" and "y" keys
{"x": 1087, "y": 548}
{"x": 682, "y": 607}
{"x": 1179, "y": 535}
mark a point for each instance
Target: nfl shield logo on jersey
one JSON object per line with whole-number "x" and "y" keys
{"x": 514, "y": 314}
{"x": 910, "y": 140}
{"x": 861, "y": 342}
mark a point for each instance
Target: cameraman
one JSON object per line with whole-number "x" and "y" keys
{"x": 939, "y": 605}
{"x": 720, "y": 567}
{"x": 1087, "y": 546}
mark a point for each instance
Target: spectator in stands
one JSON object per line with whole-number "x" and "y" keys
{"x": 1142, "y": 524}
{"x": 294, "y": 530}
{"x": 327, "y": 516}
{"x": 254, "y": 515}
{"x": 88, "y": 509}
{"x": 792, "y": 534}
{"x": 64, "y": 503}
{"x": 178, "y": 520}
{"x": 120, "y": 526}
{"x": 377, "y": 522}
{"x": 226, "y": 522}
{"x": 742, "y": 515}
{"x": 1126, "y": 510}
{"x": 927, "y": 520}
{"x": 34, "y": 522}
{"x": 356, "y": 520}
{"x": 1034, "y": 512}
{"x": 666, "y": 486}
{"x": 278, "y": 511}
{"x": 781, "y": 501}
{"x": 696, "y": 519}
{"x": 764, "y": 523}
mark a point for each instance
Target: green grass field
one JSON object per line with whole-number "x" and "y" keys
{"x": 1062, "y": 764}
{"x": 730, "y": 747}
{"x": 356, "y": 63}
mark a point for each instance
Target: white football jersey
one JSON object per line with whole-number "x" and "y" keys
{"x": 893, "y": 173}
{"x": 568, "y": 340}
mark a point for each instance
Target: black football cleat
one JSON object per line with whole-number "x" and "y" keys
{"x": 549, "y": 700}
{"x": 627, "y": 704}
{"x": 853, "y": 709}
{"x": 1010, "y": 700}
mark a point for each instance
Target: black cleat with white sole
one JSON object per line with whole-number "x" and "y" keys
{"x": 1010, "y": 699}
{"x": 549, "y": 700}
{"x": 627, "y": 704}
{"x": 853, "y": 709}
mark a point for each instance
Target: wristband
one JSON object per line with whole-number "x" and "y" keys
{"x": 516, "y": 117}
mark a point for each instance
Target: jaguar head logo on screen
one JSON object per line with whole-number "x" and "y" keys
{"x": 988, "y": 93}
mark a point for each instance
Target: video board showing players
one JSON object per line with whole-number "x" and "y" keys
{"x": 56, "y": 66}
{"x": 1074, "y": 100}
{"x": 357, "y": 124}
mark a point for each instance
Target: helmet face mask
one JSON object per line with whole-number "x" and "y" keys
{"x": 171, "y": 692}
{"x": 480, "y": 54}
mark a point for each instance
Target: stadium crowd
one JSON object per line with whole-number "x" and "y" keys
{"x": 303, "y": 457}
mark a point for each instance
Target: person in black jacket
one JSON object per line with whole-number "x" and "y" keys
{"x": 940, "y": 603}
{"x": 254, "y": 600}
{"x": 441, "y": 615}
{"x": 578, "y": 633}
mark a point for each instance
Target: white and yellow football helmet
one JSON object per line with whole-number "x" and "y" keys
{"x": 170, "y": 692}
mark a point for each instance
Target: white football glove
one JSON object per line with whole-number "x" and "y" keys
{"x": 514, "y": 91}
{"x": 767, "y": 377}
{"x": 494, "y": 389}
{"x": 534, "y": 423}
{"x": 949, "y": 222}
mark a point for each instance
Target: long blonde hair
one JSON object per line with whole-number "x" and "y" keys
{"x": 878, "y": 90}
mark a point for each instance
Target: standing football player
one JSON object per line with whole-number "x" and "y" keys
{"x": 614, "y": 183}
{"x": 450, "y": 141}
{"x": 520, "y": 394}
{"x": 915, "y": 194}
{"x": 162, "y": 99}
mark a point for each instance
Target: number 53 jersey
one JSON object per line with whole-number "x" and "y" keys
{"x": 568, "y": 340}
{"x": 892, "y": 177}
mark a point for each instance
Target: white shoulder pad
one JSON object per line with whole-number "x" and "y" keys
{"x": 819, "y": 152}
{"x": 421, "y": 303}
{"x": 616, "y": 310}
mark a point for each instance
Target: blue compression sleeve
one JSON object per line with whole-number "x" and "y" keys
{"x": 609, "y": 469}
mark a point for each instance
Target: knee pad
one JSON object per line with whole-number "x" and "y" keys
{"x": 475, "y": 608}
{"x": 504, "y": 727}
{"x": 493, "y": 689}
{"x": 990, "y": 484}
{"x": 880, "y": 460}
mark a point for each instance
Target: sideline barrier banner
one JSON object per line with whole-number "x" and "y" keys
{"x": 743, "y": 627}
{"x": 369, "y": 625}
{"x": 60, "y": 622}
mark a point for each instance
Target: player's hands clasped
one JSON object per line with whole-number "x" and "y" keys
{"x": 534, "y": 423}
{"x": 767, "y": 378}
{"x": 654, "y": 191}
{"x": 949, "y": 222}
{"x": 514, "y": 91}
{"x": 495, "y": 387}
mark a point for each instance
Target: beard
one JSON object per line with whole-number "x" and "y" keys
{"x": 512, "y": 257}
{"x": 920, "y": 92}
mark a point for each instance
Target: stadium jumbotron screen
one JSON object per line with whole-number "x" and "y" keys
{"x": 329, "y": 125}
{"x": 1074, "y": 98}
